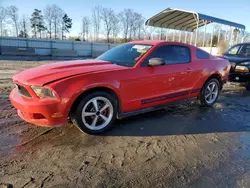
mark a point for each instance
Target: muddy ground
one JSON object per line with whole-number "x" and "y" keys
{"x": 181, "y": 146}
{"x": 9, "y": 68}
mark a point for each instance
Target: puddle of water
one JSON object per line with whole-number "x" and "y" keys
{"x": 8, "y": 71}
{"x": 244, "y": 150}
{"x": 4, "y": 96}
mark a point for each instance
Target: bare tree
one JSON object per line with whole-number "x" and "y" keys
{"x": 132, "y": 24}
{"x": 53, "y": 17}
{"x": 148, "y": 32}
{"x": 107, "y": 16}
{"x": 115, "y": 28}
{"x": 85, "y": 28}
{"x": 246, "y": 36}
{"x": 3, "y": 14}
{"x": 96, "y": 20}
{"x": 138, "y": 26}
{"x": 126, "y": 19}
{"x": 24, "y": 24}
{"x": 57, "y": 15}
{"x": 48, "y": 13}
{"x": 12, "y": 12}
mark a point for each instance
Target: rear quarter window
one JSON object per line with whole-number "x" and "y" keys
{"x": 201, "y": 54}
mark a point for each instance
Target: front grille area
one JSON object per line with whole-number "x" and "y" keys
{"x": 23, "y": 91}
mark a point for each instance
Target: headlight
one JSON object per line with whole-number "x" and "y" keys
{"x": 42, "y": 92}
{"x": 239, "y": 68}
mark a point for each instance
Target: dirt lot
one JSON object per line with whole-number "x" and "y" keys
{"x": 182, "y": 146}
{"x": 8, "y": 68}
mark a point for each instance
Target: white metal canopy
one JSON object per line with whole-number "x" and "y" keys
{"x": 189, "y": 21}
{"x": 186, "y": 20}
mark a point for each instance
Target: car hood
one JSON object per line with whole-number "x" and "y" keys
{"x": 51, "y": 72}
{"x": 237, "y": 60}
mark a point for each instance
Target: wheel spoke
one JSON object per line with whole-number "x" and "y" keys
{"x": 103, "y": 117}
{"x": 209, "y": 89}
{"x": 210, "y": 97}
{"x": 214, "y": 93}
{"x": 213, "y": 86}
{"x": 95, "y": 105}
{"x": 104, "y": 107}
{"x": 207, "y": 95}
{"x": 88, "y": 114}
{"x": 94, "y": 121}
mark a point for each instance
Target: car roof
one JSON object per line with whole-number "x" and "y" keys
{"x": 242, "y": 43}
{"x": 158, "y": 42}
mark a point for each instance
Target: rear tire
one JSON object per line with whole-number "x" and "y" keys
{"x": 95, "y": 113}
{"x": 209, "y": 93}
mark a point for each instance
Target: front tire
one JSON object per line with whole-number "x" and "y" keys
{"x": 95, "y": 113}
{"x": 210, "y": 92}
{"x": 248, "y": 86}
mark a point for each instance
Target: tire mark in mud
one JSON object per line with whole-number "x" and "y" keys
{"x": 47, "y": 178}
{"x": 30, "y": 181}
{"x": 35, "y": 137}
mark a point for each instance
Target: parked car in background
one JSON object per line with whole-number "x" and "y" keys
{"x": 239, "y": 57}
{"x": 129, "y": 79}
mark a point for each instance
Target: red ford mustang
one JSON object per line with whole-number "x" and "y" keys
{"x": 131, "y": 78}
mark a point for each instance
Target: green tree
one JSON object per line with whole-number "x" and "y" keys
{"x": 66, "y": 24}
{"x": 215, "y": 40}
{"x": 37, "y": 22}
{"x": 23, "y": 34}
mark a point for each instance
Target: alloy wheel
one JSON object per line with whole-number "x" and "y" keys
{"x": 211, "y": 92}
{"x": 97, "y": 113}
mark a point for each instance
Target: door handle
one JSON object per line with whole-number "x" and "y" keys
{"x": 188, "y": 70}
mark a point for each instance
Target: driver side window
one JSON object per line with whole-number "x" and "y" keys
{"x": 245, "y": 51}
{"x": 171, "y": 54}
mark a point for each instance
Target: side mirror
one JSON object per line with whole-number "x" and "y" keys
{"x": 156, "y": 62}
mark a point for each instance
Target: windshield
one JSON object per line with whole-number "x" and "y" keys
{"x": 234, "y": 50}
{"x": 125, "y": 54}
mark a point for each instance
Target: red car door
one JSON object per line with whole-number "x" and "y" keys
{"x": 160, "y": 84}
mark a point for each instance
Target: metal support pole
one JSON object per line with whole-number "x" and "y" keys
{"x": 167, "y": 34}
{"x": 230, "y": 39}
{"x": 197, "y": 26}
{"x": 191, "y": 38}
{"x": 160, "y": 34}
{"x": 219, "y": 35}
{"x": 204, "y": 35}
{"x": 211, "y": 42}
{"x": 186, "y": 36}
{"x": 237, "y": 36}
{"x": 27, "y": 43}
{"x": 180, "y": 36}
{"x": 226, "y": 35}
{"x": 145, "y": 29}
{"x": 243, "y": 36}
{"x": 151, "y": 35}
{"x": 196, "y": 34}
{"x": 91, "y": 46}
